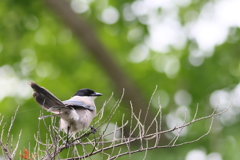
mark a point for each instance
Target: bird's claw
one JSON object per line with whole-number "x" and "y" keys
{"x": 93, "y": 129}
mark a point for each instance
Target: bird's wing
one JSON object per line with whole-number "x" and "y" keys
{"x": 45, "y": 98}
{"x": 78, "y": 104}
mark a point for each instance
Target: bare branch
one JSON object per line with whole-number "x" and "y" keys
{"x": 9, "y": 151}
{"x": 100, "y": 142}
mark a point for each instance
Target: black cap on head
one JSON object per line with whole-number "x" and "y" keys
{"x": 87, "y": 92}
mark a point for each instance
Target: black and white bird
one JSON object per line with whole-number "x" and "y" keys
{"x": 75, "y": 114}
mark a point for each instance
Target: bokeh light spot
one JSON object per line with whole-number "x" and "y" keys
{"x": 110, "y": 128}
{"x": 110, "y": 15}
{"x": 79, "y": 6}
{"x": 182, "y": 97}
{"x": 196, "y": 155}
{"x": 139, "y": 53}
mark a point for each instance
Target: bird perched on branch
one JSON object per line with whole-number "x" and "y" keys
{"x": 75, "y": 114}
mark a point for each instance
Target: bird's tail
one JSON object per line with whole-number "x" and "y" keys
{"x": 44, "y": 98}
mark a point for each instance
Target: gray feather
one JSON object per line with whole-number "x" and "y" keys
{"x": 78, "y": 104}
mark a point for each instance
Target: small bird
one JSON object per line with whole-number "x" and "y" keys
{"x": 75, "y": 114}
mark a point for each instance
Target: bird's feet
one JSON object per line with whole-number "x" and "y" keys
{"x": 93, "y": 129}
{"x": 67, "y": 144}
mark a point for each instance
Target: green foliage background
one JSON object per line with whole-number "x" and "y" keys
{"x": 35, "y": 45}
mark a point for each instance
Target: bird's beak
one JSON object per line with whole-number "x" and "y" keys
{"x": 97, "y": 94}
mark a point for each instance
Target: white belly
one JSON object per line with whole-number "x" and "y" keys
{"x": 77, "y": 120}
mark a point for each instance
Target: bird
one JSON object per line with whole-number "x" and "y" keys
{"x": 75, "y": 114}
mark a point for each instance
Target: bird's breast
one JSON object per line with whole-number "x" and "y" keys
{"x": 79, "y": 121}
